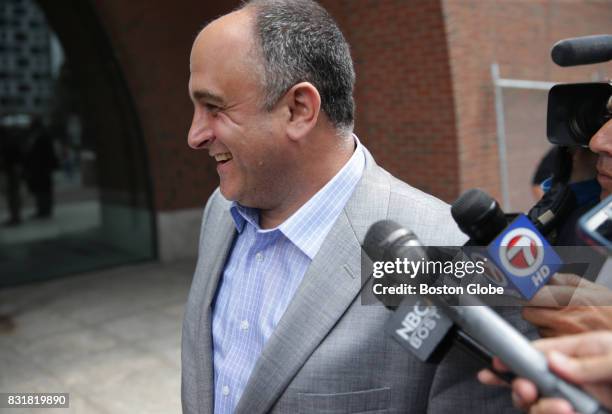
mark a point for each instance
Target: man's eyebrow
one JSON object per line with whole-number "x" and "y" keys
{"x": 208, "y": 96}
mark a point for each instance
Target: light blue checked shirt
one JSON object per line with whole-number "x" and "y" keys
{"x": 264, "y": 269}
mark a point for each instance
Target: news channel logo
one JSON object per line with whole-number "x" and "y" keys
{"x": 524, "y": 256}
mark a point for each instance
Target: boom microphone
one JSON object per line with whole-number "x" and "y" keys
{"x": 582, "y": 50}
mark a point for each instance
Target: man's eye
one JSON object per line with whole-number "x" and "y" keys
{"x": 213, "y": 109}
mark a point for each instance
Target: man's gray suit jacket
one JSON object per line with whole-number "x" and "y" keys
{"x": 329, "y": 353}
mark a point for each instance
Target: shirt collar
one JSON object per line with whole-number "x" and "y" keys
{"x": 309, "y": 225}
{"x": 241, "y": 215}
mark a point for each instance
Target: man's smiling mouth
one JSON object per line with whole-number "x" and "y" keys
{"x": 223, "y": 157}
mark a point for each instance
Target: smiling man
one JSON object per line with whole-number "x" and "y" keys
{"x": 272, "y": 151}
{"x": 274, "y": 320}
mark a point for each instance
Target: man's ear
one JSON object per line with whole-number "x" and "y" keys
{"x": 304, "y": 103}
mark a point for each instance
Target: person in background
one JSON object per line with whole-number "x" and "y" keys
{"x": 580, "y": 345}
{"x": 40, "y": 162}
{"x": 569, "y": 304}
{"x": 543, "y": 171}
{"x": 11, "y": 163}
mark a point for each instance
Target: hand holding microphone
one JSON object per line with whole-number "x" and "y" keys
{"x": 569, "y": 304}
{"x": 584, "y": 359}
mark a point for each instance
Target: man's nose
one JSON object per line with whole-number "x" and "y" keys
{"x": 602, "y": 140}
{"x": 200, "y": 133}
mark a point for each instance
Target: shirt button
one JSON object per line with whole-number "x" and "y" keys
{"x": 244, "y": 325}
{"x": 259, "y": 257}
{"x": 225, "y": 390}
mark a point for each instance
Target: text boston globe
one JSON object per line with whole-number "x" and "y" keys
{"x": 409, "y": 269}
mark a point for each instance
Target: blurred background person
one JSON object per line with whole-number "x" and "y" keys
{"x": 39, "y": 164}
{"x": 11, "y": 164}
{"x": 544, "y": 170}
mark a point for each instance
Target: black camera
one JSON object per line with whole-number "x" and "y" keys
{"x": 577, "y": 111}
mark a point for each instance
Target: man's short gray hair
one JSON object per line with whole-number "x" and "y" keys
{"x": 300, "y": 42}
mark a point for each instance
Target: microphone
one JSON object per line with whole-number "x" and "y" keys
{"x": 518, "y": 252}
{"x": 582, "y": 50}
{"x": 482, "y": 324}
{"x": 416, "y": 325}
{"x": 479, "y": 216}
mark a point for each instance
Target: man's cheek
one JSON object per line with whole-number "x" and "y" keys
{"x": 230, "y": 121}
{"x": 228, "y": 131}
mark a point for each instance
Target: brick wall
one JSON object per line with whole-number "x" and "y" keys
{"x": 404, "y": 94}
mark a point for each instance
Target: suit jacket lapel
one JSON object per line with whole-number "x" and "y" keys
{"x": 226, "y": 231}
{"x": 330, "y": 285}
{"x": 214, "y": 259}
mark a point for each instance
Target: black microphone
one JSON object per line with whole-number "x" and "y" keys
{"x": 479, "y": 216}
{"x": 582, "y": 50}
{"x": 485, "y": 326}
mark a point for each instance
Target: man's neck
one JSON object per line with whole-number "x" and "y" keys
{"x": 304, "y": 191}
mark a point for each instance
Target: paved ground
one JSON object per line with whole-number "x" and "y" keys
{"x": 111, "y": 339}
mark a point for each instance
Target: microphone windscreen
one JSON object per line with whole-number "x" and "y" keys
{"x": 582, "y": 50}
{"x": 377, "y": 240}
{"x": 479, "y": 216}
{"x": 470, "y": 206}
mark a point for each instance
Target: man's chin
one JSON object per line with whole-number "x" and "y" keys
{"x": 227, "y": 193}
{"x": 231, "y": 194}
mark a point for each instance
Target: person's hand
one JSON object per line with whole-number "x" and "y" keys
{"x": 584, "y": 359}
{"x": 569, "y": 304}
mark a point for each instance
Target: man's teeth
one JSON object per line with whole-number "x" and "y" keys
{"x": 223, "y": 157}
